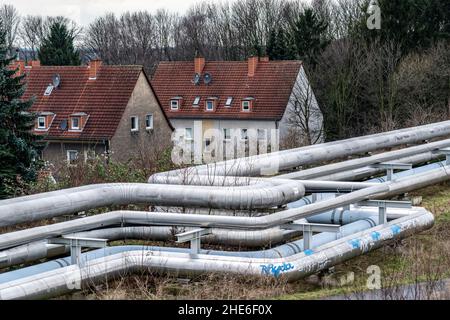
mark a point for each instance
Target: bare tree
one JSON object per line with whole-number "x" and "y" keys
{"x": 33, "y": 29}
{"x": 304, "y": 117}
{"x": 10, "y": 20}
{"x": 31, "y": 34}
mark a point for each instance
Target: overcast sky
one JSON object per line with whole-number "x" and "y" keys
{"x": 84, "y": 11}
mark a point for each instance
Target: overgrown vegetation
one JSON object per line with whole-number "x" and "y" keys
{"x": 18, "y": 145}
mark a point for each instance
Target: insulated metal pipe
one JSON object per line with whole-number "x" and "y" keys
{"x": 425, "y": 152}
{"x": 309, "y": 185}
{"x": 277, "y": 252}
{"x": 271, "y": 163}
{"x": 383, "y": 190}
{"x": 74, "y": 277}
{"x": 364, "y": 172}
{"x": 47, "y": 205}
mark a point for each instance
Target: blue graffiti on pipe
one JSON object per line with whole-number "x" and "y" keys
{"x": 355, "y": 243}
{"x": 375, "y": 235}
{"x": 309, "y": 252}
{"x": 396, "y": 229}
{"x": 276, "y": 270}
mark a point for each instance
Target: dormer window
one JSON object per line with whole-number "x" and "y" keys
{"x": 175, "y": 103}
{"x": 210, "y": 104}
{"x": 196, "y": 102}
{"x": 44, "y": 120}
{"x": 41, "y": 123}
{"x": 77, "y": 121}
{"x": 247, "y": 104}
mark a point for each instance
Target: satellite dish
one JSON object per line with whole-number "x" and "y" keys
{"x": 207, "y": 78}
{"x": 56, "y": 80}
{"x": 63, "y": 125}
{"x": 197, "y": 79}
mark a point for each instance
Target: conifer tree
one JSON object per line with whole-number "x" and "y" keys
{"x": 19, "y": 147}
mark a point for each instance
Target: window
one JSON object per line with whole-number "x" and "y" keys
{"x": 209, "y": 105}
{"x": 72, "y": 156}
{"x": 244, "y": 134}
{"x": 134, "y": 123}
{"x": 246, "y": 105}
{"x": 228, "y": 102}
{"x": 48, "y": 91}
{"x": 262, "y": 134}
{"x": 226, "y": 134}
{"x": 174, "y": 104}
{"x": 75, "y": 123}
{"x": 149, "y": 121}
{"x": 196, "y": 101}
{"x": 188, "y": 134}
{"x": 41, "y": 123}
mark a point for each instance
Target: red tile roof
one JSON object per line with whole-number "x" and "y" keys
{"x": 103, "y": 99}
{"x": 271, "y": 87}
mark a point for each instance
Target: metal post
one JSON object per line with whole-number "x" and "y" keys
{"x": 75, "y": 253}
{"x": 308, "y": 229}
{"x": 314, "y": 197}
{"x": 76, "y": 244}
{"x": 382, "y": 217}
{"x": 307, "y": 239}
{"x": 194, "y": 237}
{"x": 446, "y": 152}
{"x": 390, "y": 167}
{"x": 382, "y": 206}
{"x": 389, "y": 174}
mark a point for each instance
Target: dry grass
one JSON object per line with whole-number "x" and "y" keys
{"x": 150, "y": 286}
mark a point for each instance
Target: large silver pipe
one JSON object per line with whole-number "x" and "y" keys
{"x": 74, "y": 277}
{"x": 369, "y": 171}
{"x": 335, "y": 168}
{"x": 383, "y": 190}
{"x": 40, "y": 249}
{"x": 269, "y": 164}
{"x": 309, "y": 185}
{"x": 48, "y": 205}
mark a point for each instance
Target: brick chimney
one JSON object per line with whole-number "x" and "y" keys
{"x": 19, "y": 65}
{"x": 94, "y": 66}
{"x": 35, "y": 63}
{"x": 199, "y": 64}
{"x": 252, "y": 64}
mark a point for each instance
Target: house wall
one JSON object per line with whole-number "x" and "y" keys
{"x": 55, "y": 153}
{"x": 302, "y": 93}
{"x": 213, "y": 129}
{"x": 125, "y": 144}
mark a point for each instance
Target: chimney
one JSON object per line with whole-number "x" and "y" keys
{"x": 94, "y": 66}
{"x": 252, "y": 64}
{"x": 199, "y": 64}
{"x": 35, "y": 63}
{"x": 20, "y": 66}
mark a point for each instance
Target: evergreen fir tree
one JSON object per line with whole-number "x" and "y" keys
{"x": 18, "y": 145}
{"x": 57, "y": 48}
{"x": 309, "y": 36}
{"x": 279, "y": 45}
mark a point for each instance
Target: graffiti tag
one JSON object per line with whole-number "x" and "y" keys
{"x": 276, "y": 270}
